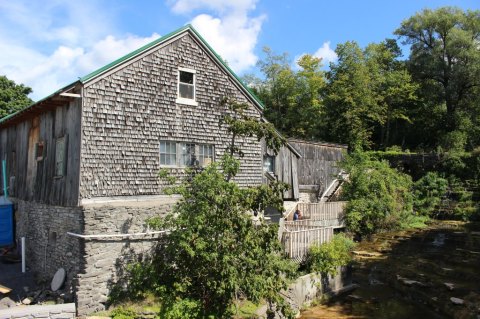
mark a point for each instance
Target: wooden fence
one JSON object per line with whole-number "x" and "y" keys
{"x": 322, "y": 211}
{"x": 297, "y": 242}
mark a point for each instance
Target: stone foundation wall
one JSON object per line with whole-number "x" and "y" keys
{"x": 105, "y": 259}
{"x": 61, "y": 311}
{"x": 47, "y": 245}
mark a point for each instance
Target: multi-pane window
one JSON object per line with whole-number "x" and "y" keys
{"x": 183, "y": 154}
{"x": 187, "y": 157}
{"x": 186, "y": 85}
{"x": 60, "y": 156}
{"x": 168, "y": 153}
{"x": 205, "y": 154}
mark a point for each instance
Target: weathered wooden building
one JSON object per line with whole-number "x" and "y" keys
{"x": 317, "y": 166}
{"x": 83, "y": 162}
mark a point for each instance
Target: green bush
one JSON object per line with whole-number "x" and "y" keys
{"x": 428, "y": 192}
{"x": 327, "y": 257}
{"x": 123, "y": 313}
{"x": 379, "y": 196}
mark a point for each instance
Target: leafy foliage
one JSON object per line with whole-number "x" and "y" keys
{"x": 445, "y": 56}
{"x": 428, "y": 192}
{"x": 13, "y": 97}
{"x": 379, "y": 196}
{"x": 123, "y": 313}
{"x": 327, "y": 257}
{"x": 215, "y": 252}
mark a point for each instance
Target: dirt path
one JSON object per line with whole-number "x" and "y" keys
{"x": 429, "y": 273}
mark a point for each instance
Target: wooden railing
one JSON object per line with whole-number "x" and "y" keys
{"x": 297, "y": 242}
{"x": 322, "y": 211}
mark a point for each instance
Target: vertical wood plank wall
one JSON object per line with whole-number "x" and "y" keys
{"x": 319, "y": 162}
{"x": 35, "y": 180}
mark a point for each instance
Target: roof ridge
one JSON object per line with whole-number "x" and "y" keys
{"x": 135, "y": 53}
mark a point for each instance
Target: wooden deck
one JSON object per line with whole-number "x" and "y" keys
{"x": 316, "y": 227}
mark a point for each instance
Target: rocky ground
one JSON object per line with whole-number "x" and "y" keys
{"x": 25, "y": 289}
{"x": 428, "y": 273}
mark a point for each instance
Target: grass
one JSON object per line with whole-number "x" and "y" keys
{"x": 412, "y": 221}
{"x": 247, "y": 309}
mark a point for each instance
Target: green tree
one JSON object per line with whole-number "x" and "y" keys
{"x": 368, "y": 91}
{"x": 445, "y": 58}
{"x": 351, "y": 105}
{"x": 215, "y": 252}
{"x": 13, "y": 97}
{"x": 393, "y": 87}
{"x": 379, "y": 197}
{"x": 292, "y": 98}
{"x": 428, "y": 192}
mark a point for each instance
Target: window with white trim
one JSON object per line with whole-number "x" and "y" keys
{"x": 168, "y": 153}
{"x": 183, "y": 154}
{"x": 205, "y": 154}
{"x": 187, "y": 156}
{"x": 186, "y": 86}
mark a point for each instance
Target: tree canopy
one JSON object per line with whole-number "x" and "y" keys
{"x": 13, "y": 97}
{"x": 373, "y": 98}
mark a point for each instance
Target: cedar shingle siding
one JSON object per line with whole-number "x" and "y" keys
{"x": 127, "y": 113}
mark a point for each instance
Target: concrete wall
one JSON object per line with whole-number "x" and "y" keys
{"x": 105, "y": 259}
{"x": 48, "y": 247}
{"x": 308, "y": 288}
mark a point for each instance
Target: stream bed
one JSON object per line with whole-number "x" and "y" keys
{"x": 427, "y": 273}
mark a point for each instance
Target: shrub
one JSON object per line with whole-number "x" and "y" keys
{"x": 379, "y": 196}
{"x": 428, "y": 192}
{"x": 123, "y": 313}
{"x": 327, "y": 257}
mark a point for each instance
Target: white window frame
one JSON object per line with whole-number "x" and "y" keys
{"x": 202, "y": 156}
{"x": 189, "y": 156}
{"x": 179, "y": 155}
{"x": 182, "y": 100}
{"x": 169, "y": 154}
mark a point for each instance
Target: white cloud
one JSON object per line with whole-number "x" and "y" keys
{"x": 47, "y": 73}
{"x": 326, "y": 53}
{"x": 48, "y": 44}
{"x": 230, "y": 30}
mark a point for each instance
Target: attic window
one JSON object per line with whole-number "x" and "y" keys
{"x": 186, "y": 86}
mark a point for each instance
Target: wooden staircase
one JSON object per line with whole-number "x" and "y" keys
{"x": 333, "y": 189}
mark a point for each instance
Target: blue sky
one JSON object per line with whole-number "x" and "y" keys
{"x": 46, "y": 44}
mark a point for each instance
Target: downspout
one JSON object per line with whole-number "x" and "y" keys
{"x": 4, "y": 174}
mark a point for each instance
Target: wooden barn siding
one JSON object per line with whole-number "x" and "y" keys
{"x": 286, "y": 166}
{"x": 318, "y": 164}
{"x": 34, "y": 180}
{"x": 127, "y": 112}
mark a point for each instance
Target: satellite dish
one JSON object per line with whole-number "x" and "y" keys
{"x": 58, "y": 279}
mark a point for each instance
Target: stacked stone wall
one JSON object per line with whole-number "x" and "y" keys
{"x": 106, "y": 258}
{"x": 47, "y": 245}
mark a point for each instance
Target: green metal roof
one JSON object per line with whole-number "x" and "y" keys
{"x": 137, "y": 52}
